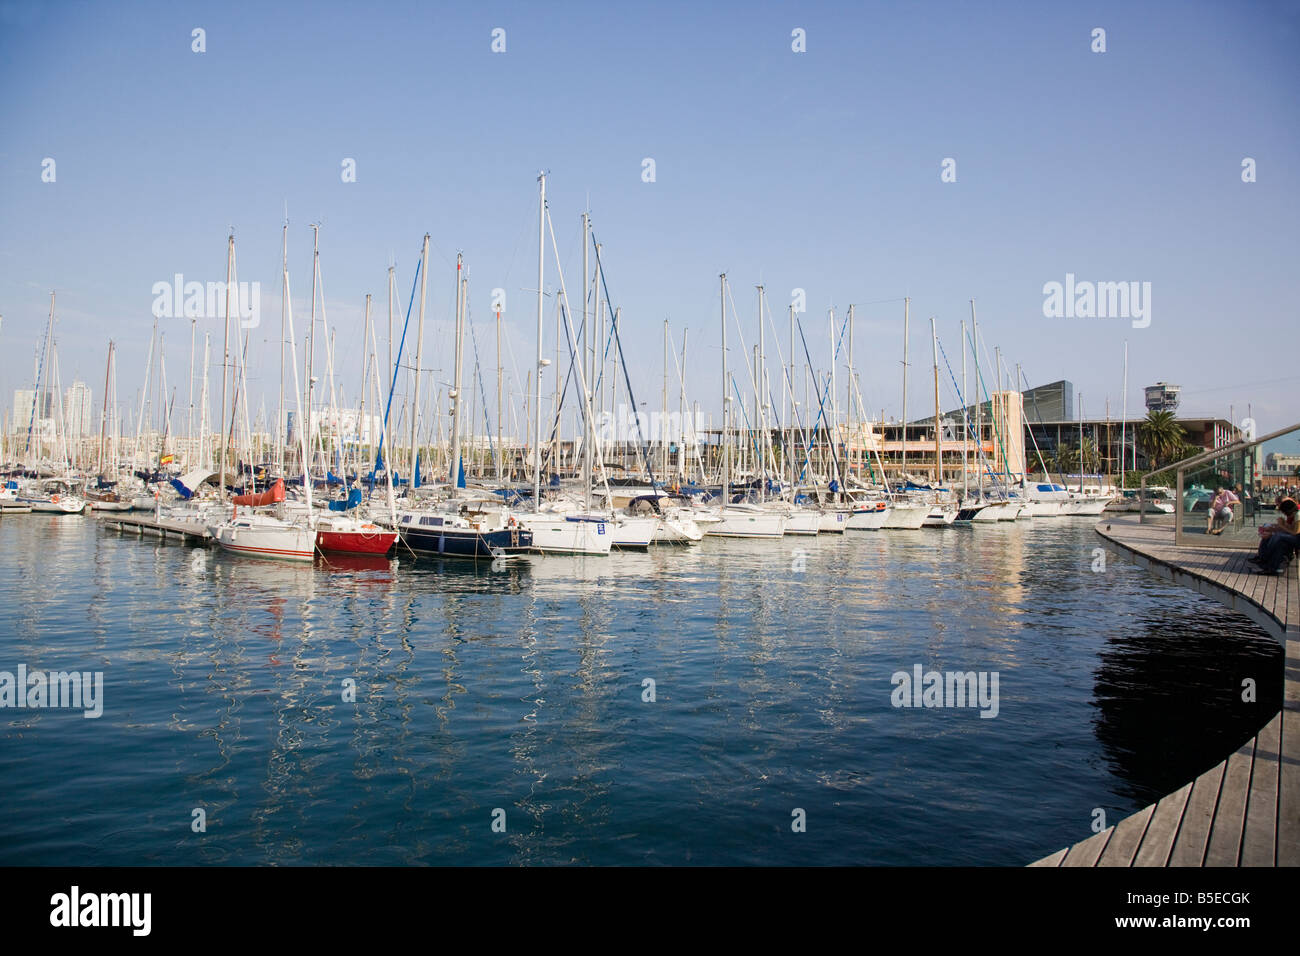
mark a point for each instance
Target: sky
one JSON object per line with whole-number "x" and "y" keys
{"x": 821, "y": 169}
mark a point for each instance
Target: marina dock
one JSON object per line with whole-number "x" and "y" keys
{"x": 146, "y": 524}
{"x": 1244, "y": 811}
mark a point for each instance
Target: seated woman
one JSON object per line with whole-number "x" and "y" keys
{"x": 1278, "y": 541}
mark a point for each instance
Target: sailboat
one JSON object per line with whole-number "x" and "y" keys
{"x": 460, "y": 527}
{"x": 257, "y": 533}
{"x": 51, "y": 495}
{"x": 738, "y": 519}
{"x": 341, "y": 529}
{"x": 553, "y": 530}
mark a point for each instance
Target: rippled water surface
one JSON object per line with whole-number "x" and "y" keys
{"x": 522, "y": 689}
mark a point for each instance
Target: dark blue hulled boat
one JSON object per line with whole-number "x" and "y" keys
{"x": 459, "y": 537}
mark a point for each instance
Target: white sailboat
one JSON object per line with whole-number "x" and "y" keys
{"x": 258, "y": 534}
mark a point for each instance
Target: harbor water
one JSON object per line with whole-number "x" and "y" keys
{"x": 729, "y": 703}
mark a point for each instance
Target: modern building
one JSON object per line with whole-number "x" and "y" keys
{"x": 24, "y": 399}
{"x": 77, "y": 422}
{"x": 1044, "y": 403}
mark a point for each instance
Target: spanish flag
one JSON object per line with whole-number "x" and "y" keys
{"x": 166, "y": 460}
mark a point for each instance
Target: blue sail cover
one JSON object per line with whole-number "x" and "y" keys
{"x": 353, "y": 499}
{"x": 460, "y": 477}
{"x": 187, "y": 484}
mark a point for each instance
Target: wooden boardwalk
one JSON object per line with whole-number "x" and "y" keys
{"x": 1246, "y": 810}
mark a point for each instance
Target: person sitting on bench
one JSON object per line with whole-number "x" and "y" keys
{"x": 1278, "y": 542}
{"x": 1221, "y": 510}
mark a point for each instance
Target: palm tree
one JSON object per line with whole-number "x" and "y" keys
{"x": 1067, "y": 458}
{"x": 1161, "y": 437}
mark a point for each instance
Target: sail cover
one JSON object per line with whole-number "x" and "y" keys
{"x": 271, "y": 496}
{"x": 187, "y": 484}
{"x": 353, "y": 499}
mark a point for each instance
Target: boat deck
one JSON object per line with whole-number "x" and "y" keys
{"x": 1245, "y": 811}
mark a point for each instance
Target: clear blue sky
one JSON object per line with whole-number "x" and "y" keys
{"x": 818, "y": 170}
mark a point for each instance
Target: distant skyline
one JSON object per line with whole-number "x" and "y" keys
{"x": 823, "y": 169}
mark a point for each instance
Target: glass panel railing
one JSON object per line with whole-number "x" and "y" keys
{"x": 1223, "y": 498}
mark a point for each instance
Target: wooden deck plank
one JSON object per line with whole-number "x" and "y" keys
{"x": 1288, "y": 804}
{"x": 1088, "y": 851}
{"x": 1259, "y": 841}
{"x": 1053, "y": 860}
{"x": 1230, "y": 815}
{"x": 1194, "y": 833}
{"x": 1123, "y": 843}
{"x": 1163, "y": 827}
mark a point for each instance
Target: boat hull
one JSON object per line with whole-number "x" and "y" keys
{"x": 556, "y": 535}
{"x": 803, "y": 522}
{"x": 833, "y": 522}
{"x": 63, "y": 506}
{"x": 868, "y": 519}
{"x": 356, "y": 542}
{"x": 675, "y": 529}
{"x": 452, "y": 542}
{"x": 746, "y": 524}
{"x": 281, "y": 544}
{"x": 906, "y": 517}
{"x": 940, "y": 517}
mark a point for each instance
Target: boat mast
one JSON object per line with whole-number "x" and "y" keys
{"x": 189, "y": 421}
{"x": 681, "y": 414}
{"x": 979, "y": 409}
{"x": 1000, "y": 446}
{"x": 205, "y": 455}
{"x": 965, "y": 421}
{"x": 903, "y": 457}
{"x": 1123, "y": 422}
{"x": 762, "y": 400}
{"x": 455, "y": 376}
{"x": 419, "y": 348}
{"x": 588, "y": 360}
{"x": 537, "y": 402}
{"x": 500, "y": 407}
{"x": 938, "y": 449}
{"x": 663, "y": 422}
{"x": 311, "y": 345}
{"x": 103, "y": 422}
{"x": 225, "y": 365}
{"x": 281, "y": 439}
{"x": 793, "y": 405}
{"x": 297, "y": 398}
{"x": 1081, "y": 443}
{"x": 367, "y": 338}
{"x": 848, "y": 400}
{"x": 833, "y": 419}
{"x": 726, "y": 450}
